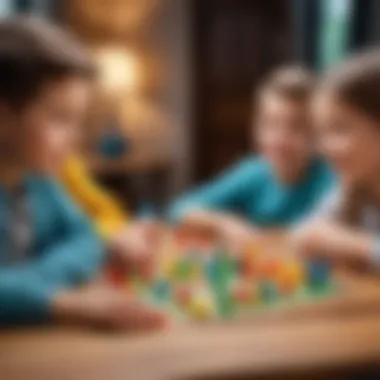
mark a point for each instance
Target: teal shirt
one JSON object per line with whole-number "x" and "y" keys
{"x": 64, "y": 253}
{"x": 252, "y": 190}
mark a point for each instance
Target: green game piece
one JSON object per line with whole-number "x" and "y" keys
{"x": 220, "y": 273}
{"x": 268, "y": 291}
{"x": 183, "y": 269}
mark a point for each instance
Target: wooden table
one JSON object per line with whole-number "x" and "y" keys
{"x": 342, "y": 332}
{"x": 333, "y": 334}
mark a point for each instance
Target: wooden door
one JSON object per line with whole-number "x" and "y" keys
{"x": 236, "y": 42}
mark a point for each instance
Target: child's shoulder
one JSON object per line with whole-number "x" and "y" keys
{"x": 323, "y": 170}
{"x": 252, "y": 165}
{"x": 44, "y": 185}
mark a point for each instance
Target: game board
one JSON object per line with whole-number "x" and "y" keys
{"x": 199, "y": 279}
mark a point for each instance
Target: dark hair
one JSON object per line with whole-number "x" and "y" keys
{"x": 356, "y": 83}
{"x": 34, "y": 52}
{"x": 291, "y": 82}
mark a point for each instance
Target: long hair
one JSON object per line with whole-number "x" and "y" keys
{"x": 356, "y": 82}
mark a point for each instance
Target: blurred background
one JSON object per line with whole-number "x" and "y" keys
{"x": 177, "y": 78}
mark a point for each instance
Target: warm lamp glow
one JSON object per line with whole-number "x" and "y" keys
{"x": 118, "y": 70}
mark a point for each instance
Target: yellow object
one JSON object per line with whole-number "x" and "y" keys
{"x": 105, "y": 212}
{"x": 290, "y": 276}
{"x": 168, "y": 267}
{"x": 201, "y": 307}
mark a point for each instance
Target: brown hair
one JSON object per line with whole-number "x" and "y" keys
{"x": 356, "y": 82}
{"x": 295, "y": 83}
{"x": 34, "y": 52}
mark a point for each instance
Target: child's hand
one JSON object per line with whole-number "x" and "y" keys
{"x": 236, "y": 233}
{"x": 135, "y": 243}
{"x": 106, "y": 307}
{"x": 333, "y": 241}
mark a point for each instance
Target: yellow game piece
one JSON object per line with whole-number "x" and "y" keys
{"x": 168, "y": 266}
{"x": 201, "y": 307}
{"x": 290, "y": 276}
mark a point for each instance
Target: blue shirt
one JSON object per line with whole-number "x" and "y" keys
{"x": 64, "y": 252}
{"x": 252, "y": 190}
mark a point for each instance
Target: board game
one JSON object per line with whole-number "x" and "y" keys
{"x": 200, "y": 279}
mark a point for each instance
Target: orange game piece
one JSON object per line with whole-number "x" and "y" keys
{"x": 270, "y": 268}
{"x": 290, "y": 276}
{"x": 244, "y": 293}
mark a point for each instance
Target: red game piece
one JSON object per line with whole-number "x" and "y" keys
{"x": 115, "y": 273}
{"x": 248, "y": 267}
{"x": 183, "y": 295}
{"x": 146, "y": 270}
{"x": 243, "y": 293}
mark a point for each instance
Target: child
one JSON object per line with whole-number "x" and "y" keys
{"x": 277, "y": 188}
{"x": 347, "y": 114}
{"x": 47, "y": 248}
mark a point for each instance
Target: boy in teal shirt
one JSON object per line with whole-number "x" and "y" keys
{"x": 48, "y": 251}
{"x": 281, "y": 185}
{"x": 59, "y": 251}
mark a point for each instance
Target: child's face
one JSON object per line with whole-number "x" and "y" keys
{"x": 348, "y": 138}
{"x": 283, "y": 134}
{"x": 43, "y": 131}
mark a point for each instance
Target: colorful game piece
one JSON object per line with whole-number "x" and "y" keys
{"x": 203, "y": 285}
{"x": 318, "y": 272}
{"x": 161, "y": 290}
{"x": 146, "y": 270}
{"x": 116, "y": 274}
{"x": 168, "y": 266}
{"x": 248, "y": 267}
{"x": 268, "y": 291}
{"x": 182, "y": 295}
{"x": 290, "y": 276}
{"x": 269, "y": 268}
{"x": 201, "y": 307}
{"x": 244, "y": 293}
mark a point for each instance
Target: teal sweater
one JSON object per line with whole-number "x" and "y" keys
{"x": 65, "y": 252}
{"x": 252, "y": 190}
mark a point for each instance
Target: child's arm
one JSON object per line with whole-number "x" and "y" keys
{"x": 24, "y": 296}
{"x": 27, "y": 297}
{"x": 227, "y": 193}
{"x": 324, "y": 235}
{"x": 27, "y": 291}
{"x": 329, "y": 238}
{"x": 78, "y": 255}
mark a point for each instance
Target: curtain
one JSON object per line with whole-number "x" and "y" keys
{"x": 335, "y": 31}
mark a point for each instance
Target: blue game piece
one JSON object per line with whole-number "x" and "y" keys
{"x": 318, "y": 272}
{"x": 161, "y": 290}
